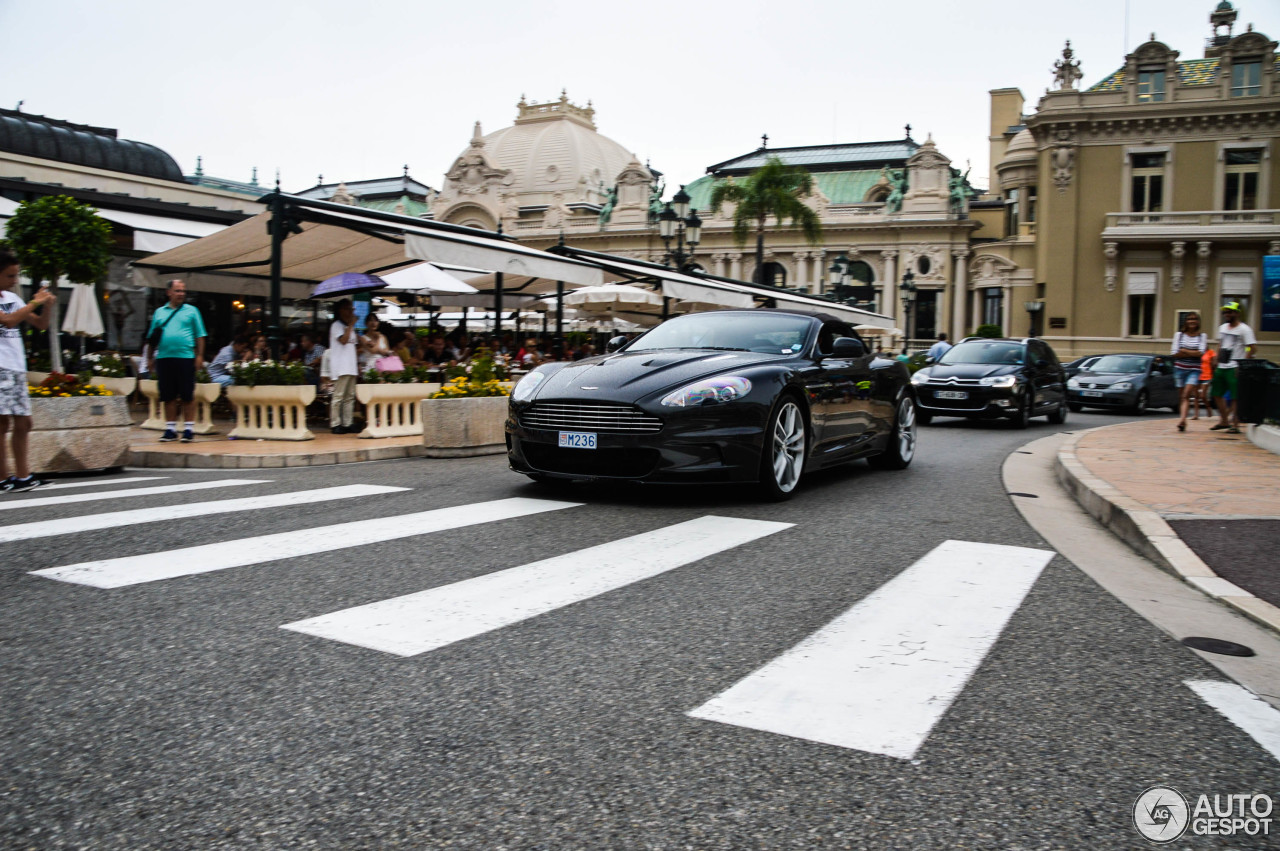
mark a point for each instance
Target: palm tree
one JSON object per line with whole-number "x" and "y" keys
{"x": 775, "y": 189}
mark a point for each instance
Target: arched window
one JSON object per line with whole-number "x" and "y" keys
{"x": 876, "y": 194}
{"x": 860, "y": 272}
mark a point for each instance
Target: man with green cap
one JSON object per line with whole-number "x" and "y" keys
{"x": 1235, "y": 342}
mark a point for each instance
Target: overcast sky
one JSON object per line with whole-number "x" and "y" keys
{"x": 357, "y": 90}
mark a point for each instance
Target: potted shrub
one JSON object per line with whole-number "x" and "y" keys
{"x": 466, "y": 415}
{"x": 109, "y": 370}
{"x": 391, "y": 401}
{"x": 76, "y": 425}
{"x": 271, "y": 399}
{"x": 207, "y": 392}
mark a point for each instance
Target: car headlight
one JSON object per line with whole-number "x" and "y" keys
{"x": 921, "y": 377}
{"x": 999, "y": 380}
{"x": 528, "y": 385}
{"x": 708, "y": 391}
{"x": 1122, "y": 385}
{"x": 1073, "y": 382}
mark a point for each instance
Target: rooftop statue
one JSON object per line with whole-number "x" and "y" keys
{"x": 1066, "y": 71}
{"x": 606, "y": 212}
{"x": 959, "y": 186}
{"x": 655, "y": 200}
{"x": 898, "y": 183}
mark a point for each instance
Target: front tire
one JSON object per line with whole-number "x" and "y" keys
{"x": 782, "y": 455}
{"x": 902, "y": 439}
{"x": 1059, "y": 415}
{"x": 1023, "y": 418}
{"x": 1140, "y": 404}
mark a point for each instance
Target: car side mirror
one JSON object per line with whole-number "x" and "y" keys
{"x": 615, "y": 343}
{"x": 847, "y": 347}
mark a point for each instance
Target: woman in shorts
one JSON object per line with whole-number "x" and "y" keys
{"x": 1189, "y": 346}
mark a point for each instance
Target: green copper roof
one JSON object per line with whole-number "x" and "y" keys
{"x": 388, "y": 205}
{"x": 840, "y": 187}
{"x": 1193, "y": 72}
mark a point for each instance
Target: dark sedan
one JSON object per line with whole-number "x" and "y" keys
{"x": 1132, "y": 382}
{"x": 724, "y": 396}
{"x": 981, "y": 378}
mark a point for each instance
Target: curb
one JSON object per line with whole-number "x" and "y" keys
{"x": 1147, "y": 532}
{"x": 149, "y": 458}
{"x": 1265, "y": 437}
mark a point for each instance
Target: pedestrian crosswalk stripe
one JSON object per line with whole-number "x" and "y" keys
{"x": 427, "y": 620}
{"x": 63, "y": 485}
{"x": 169, "y": 564}
{"x": 70, "y": 498}
{"x": 1244, "y": 709}
{"x": 112, "y": 519}
{"x": 881, "y": 675}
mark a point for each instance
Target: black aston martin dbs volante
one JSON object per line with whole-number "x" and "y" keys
{"x": 724, "y": 396}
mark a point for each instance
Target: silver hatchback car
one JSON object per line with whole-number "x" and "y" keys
{"x": 1131, "y": 382}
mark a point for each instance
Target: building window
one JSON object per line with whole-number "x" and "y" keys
{"x": 1150, "y": 86}
{"x": 1147, "y": 183}
{"x": 1141, "y": 293}
{"x": 993, "y": 306}
{"x": 926, "y": 319}
{"x": 1246, "y": 79}
{"x": 1011, "y": 213}
{"x": 1242, "y": 173}
{"x": 775, "y": 274}
{"x": 1030, "y": 215}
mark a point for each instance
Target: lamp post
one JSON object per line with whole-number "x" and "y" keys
{"x": 839, "y": 278}
{"x": 677, "y": 221}
{"x": 1033, "y": 308}
{"x": 908, "y": 303}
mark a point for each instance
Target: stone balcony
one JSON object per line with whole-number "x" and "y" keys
{"x": 1193, "y": 225}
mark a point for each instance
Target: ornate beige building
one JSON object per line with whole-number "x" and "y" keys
{"x": 1153, "y": 192}
{"x": 552, "y": 174}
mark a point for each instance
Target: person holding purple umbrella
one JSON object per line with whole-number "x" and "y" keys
{"x": 343, "y": 367}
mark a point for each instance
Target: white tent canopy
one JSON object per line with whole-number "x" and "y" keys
{"x": 330, "y": 239}
{"x": 160, "y": 233}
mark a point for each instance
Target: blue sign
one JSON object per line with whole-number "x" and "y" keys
{"x": 1271, "y": 292}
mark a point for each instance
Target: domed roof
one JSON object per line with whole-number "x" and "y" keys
{"x": 554, "y": 147}
{"x": 1021, "y": 150}
{"x": 97, "y": 147}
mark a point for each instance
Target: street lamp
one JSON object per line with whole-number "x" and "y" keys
{"x": 678, "y": 222}
{"x": 908, "y": 303}
{"x": 839, "y": 278}
{"x": 1033, "y": 307}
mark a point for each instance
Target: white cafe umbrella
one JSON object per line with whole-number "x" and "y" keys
{"x": 620, "y": 298}
{"x": 83, "y": 318}
{"x": 425, "y": 278}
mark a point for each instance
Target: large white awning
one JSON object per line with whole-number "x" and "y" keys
{"x": 160, "y": 233}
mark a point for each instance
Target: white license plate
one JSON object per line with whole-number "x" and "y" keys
{"x": 578, "y": 439}
{"x": 1094, "y": 393}
{"x": 952, "y": 394}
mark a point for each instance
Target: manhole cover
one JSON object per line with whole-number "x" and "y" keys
{"x": 1217, "y": 645}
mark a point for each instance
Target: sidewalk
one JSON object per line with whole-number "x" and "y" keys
{"x": 217, "y": 452}
{"x": 1203, "y": 504}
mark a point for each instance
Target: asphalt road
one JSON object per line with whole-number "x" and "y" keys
{"x": 176, "y": 714}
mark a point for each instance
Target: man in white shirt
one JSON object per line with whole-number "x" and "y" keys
{"x": 343, "y": 367}
{"x": 940, "y": 348}
{"x": 1235, "y": 343}
{"x": 15, "y": 404}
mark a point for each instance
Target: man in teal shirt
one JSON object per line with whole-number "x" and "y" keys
{"x": 176, "y": 359}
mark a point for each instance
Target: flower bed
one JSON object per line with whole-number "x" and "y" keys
{"x": 454, "y": 427}
{"x": 392, "y": 410}
{"x": 271, "y": 412}
{"x": 205, "y": 396}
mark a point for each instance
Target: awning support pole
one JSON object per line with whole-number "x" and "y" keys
{"x": 497, "y": 299}
{"x": 278, "y": 228}
{"x": 560, "y": 316}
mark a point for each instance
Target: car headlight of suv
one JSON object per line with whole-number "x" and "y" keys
{"x": 1122, "y": 385}
{"x": 921, "y": 377}
{"x": 999, "y": 380}
{"x": 708, "y": 391}
{"x": 1073, "y": 382}
{"x": 528, "y": 385}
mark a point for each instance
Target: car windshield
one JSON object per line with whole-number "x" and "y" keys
{"x": 983, "y": 351}
{"x": 746, "y": 331}
{"x": 1120, "y": 364}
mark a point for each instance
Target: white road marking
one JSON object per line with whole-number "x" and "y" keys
{"x": 119, "y": 572}
{"x": 130, "y": 492}
{"x": 416, "y": 623}
{"x": 112, "y": 519}
{"x": 1244, "y": 709}
{"x": 60, "y": 485}
{"x": 881, "y": 675}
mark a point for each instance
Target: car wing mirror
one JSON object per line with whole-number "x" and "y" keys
{"x": 847, "y": 347}
{"x": 615, "y": 343}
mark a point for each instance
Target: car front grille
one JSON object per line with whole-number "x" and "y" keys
{"x": 619, "y": 463}
{"x": 600, "y": 417}
{"x": 964, "y": 381}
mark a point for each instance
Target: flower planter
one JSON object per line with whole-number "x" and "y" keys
{"x": 78, "y": 433}
{"x": 456, "y": 428}
{"x": 36, "y": 377}
{"x": 118, "y": 386}
{"x": 205, "y": 395}
{"x": 391, "y": 410}
{"x": 272, "y": 411}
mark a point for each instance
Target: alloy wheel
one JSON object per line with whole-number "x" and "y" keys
{"x": 788, "y": 446}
